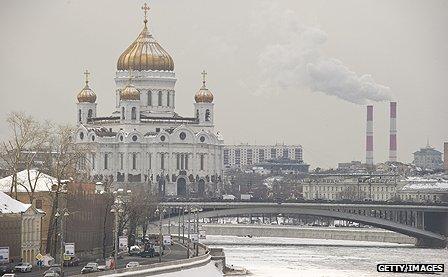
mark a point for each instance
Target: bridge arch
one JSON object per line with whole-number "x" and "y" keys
{"x": 420, "y": 234}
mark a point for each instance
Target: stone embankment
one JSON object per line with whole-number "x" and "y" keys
{"x": 334, "y": 233}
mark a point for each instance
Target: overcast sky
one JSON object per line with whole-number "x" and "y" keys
{"x": 295, "y": 72}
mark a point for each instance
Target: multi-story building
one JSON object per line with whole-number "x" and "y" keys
{"x": 145, "y": 141}
{"x": 30, "y": 231}
{"x": 350, "y": 188}
{"x": 418, "y": 189}
{"x": 428, "y": 158}
{"x": 242, "y": 155}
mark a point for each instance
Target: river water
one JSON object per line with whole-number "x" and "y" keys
{"x": 284, "y": 257}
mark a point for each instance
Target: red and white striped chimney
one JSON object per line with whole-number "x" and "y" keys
{"x": 393, "y": 132}
{"x": 369, "y": 136}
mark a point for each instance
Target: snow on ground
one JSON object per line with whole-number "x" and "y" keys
{"x": 208, "y": 270}
{"x": 231, "y": 240}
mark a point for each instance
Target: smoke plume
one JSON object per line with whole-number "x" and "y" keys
{"x": 292, "y": 58}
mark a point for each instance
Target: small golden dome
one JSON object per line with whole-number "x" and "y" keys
{"x": 86, "y": 95}
{"x": 204, "y": 95}
{"x": 145, "y": 53}
{"x": 129, "y": 93}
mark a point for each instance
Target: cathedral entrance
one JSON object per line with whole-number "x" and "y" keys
{"x": 201, "y": 187}
{"x": 181, "y": 187}
{"x": 162, "y": 187}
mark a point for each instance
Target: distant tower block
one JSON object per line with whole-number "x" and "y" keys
{"x": 393, "y": 132}
{"x": 369, "y": 136}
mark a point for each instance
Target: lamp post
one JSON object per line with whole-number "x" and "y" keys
{"x": 117, "y": 209}
{"x": 160, "y": 232}
{"x": 61, "y": 213}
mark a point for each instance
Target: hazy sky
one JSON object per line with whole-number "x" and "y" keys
{"x": 295, "y": 72}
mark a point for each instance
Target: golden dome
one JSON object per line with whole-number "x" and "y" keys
{"x": 145, "y": 53}
{"x": 204, "y": 95}
{"x": 129, "y": 93}
{"x": 86, "y": 95}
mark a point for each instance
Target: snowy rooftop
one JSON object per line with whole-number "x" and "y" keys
{"x": 38, "y": 180}
{"x": 10, "y": 205}
{"x": 420, "y": 183}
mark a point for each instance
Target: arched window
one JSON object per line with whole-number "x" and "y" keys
{"x": 197, "y": 113}
{"x": 168, "y": 99}
{"x": 122, "y": 113}
{"x": 134, "y": 161}
{"x": 160, "y": 99}
{"x": 207, "y": 115}
{"x": 149, "y": 98}
{"x": 134, "y": 113}
{"x": 90, "y": 113}
{"x": 79, "y": 115}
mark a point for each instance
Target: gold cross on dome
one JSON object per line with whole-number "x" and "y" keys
{"x": 145, "y": 9}
{"x": 203, "y": 73}
{"x": 87, "y": 73}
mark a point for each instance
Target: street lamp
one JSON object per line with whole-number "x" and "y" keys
{"x": 117, "y": 209}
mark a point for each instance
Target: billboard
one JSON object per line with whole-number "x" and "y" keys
{"x": 4, "y": 254}
{"x": 69, "y": 249}
{"x": 123, "y": 243}
{"x": 167, "y": 240}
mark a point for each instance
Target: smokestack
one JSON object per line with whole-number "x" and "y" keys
{"x": 369, "y": 136}
{"x": 393, "y": 132}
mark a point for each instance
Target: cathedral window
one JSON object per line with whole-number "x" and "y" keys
{"x": 134, "y": 113}
{"x": 178, "y": 161}
{"x": 202, "y": 138}
{"x": 160, "y": 99}
{"x": 106, "y": 161}
{"x": 122, "y": 113}
{"x": 162, "y": 138}
{"x": 182, "y": 135}
{"x": 79, "y": 115}
{"x": 149, "y": 161}
{"x": 149, "y": 98}
{"x": 134, "y": 138}
{"x": 168, "y": 99}
{"x": 207, "y": 115}
{"x": 90, "y": 113}
{"x": 186, "y": 162}
{"x": 121, "y": 161}
{"x": 93, "y": 161}
{"x": 134, "y": 161}
{"x": 162, "y": 161}
{"x": 202, "y": 161}
{"x": 81, "y": 135}
{"x": 197, "y": 113}
{"x": 182, "y": 161}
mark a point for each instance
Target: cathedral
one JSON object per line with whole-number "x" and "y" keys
{"x": 144, "y": 141}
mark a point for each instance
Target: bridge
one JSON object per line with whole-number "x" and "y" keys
{"x": 428, "y": 224}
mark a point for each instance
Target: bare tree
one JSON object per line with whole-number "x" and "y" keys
{"x": 27, "y": 138}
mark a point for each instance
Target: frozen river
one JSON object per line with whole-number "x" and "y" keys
{"x": 266, "y": 257}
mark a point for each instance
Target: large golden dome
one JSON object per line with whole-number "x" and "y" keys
{"x": 86, "y": 95}
{"x": 204, "y": 95}
{"x": 145, "y": 53}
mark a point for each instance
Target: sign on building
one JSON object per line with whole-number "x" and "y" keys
{"x": 167, "y": 240}
{"x": 69, "y": 249}
{"x": 123, "y": 243}
{"x": 4, "y": 254}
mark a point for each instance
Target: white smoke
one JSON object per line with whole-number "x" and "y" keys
{"x": 292, "y": 58}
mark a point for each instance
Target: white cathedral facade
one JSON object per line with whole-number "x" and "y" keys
{"x": 145, "y": 142}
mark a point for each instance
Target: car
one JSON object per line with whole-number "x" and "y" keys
{"x": 134, "y": 250}
{"x": 6, "y": 268}
{"x": 90, "y": 267}
{"x": 132, "y": 264}
{"x": 51, "y": 274}
{"x": 57, "y": 269}
{"x": 74, "y": 261}
{"x": 23, "y": 267}
{"x": 9, "y": 275}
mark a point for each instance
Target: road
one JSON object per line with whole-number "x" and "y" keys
{"x": 174, "y": 252}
